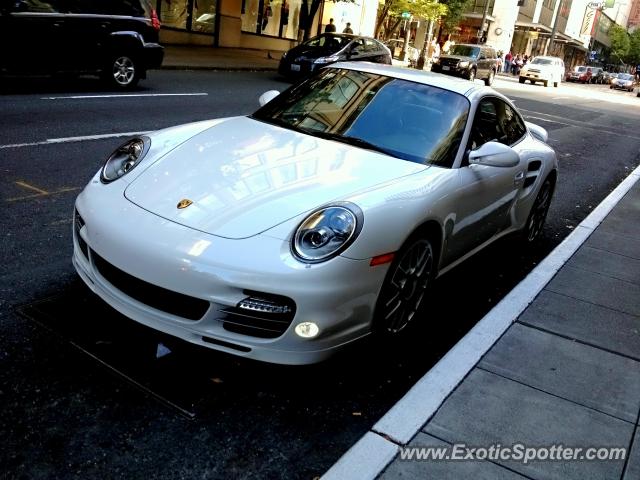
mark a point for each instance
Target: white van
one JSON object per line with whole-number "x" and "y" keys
{"x": 543, "y": 69}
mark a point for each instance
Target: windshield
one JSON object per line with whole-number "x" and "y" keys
{"x": 625, "y": 76}
{"x": 581, "y": 69}
{"x": 465, "y": 51}
{"x": 328, "y": 41}
{"x": 404, "y": 119}
{"x": 541, "y": 61}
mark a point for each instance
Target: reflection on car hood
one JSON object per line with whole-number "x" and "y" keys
{"x": 245, "y": 176}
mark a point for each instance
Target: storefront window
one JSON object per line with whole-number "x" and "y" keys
{"x": 276, "y": 18}
{"x": 204, "y": 16}
{"x": 174, "y": 13}
{"x": 193, "y": 15}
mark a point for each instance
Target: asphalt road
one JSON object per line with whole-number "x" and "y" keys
{"x": 85, "y": 393}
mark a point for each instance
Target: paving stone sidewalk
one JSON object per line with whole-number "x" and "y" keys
{"x": 566, "y": 372}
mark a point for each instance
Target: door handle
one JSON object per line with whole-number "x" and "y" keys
{"x": 518, "y": 178}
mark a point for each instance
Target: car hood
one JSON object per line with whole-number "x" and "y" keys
{"x": 245, "y": 176}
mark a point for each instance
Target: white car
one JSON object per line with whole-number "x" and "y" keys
{"x": 285, "y": 235}
{"x": 543, "y": 69}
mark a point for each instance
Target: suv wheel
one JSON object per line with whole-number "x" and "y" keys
{"x": 489, "y": 80}
{"x": 122, "y": 72}
{"x": 471, "y": 76}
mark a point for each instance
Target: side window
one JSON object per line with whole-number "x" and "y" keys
{"x": 36, "y": 6}
{"x": 370, "y": 46}
{"x": 511, "y": 123}
{"x": 486, "y": 126}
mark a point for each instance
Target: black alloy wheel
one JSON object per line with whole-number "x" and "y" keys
{"x": 123, "y": 71}
{"x": 405, "y": 286}
{"x": 538, "y": 214}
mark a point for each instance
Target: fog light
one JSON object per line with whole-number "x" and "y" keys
{"x": 307, "y": 329}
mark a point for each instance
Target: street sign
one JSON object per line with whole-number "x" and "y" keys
{"x": 406, "y": 15}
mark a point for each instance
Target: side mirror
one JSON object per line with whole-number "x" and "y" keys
{"x": 538, "y": 132}
{"x": 266, "y": 97}
{"x": 494, "y": 154}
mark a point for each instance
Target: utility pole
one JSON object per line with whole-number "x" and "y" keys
{"x": 554, "y": 30}
{"x": 485, "y": 12}
{"x": 428, "y": 36}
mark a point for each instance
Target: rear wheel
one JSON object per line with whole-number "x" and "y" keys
{"x": 405, "y": 286}
{"x": 521, "y": 79}
{"x": 555, "y": 84}
{"x": 538, "y": 214}
{"x": 122, "y": 71}
{"x": 545, "y": 83}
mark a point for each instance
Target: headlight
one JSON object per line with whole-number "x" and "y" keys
{"x": 124, "y": 159}
{"x": 463, "y": 64}
{"x": 329, "y": 59}
{"x": 327, "y": 232}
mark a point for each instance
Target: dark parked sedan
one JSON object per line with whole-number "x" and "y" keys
{"x": 328, "y": 48}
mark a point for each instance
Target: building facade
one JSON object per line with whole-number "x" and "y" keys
{"x": 261, "y": 24}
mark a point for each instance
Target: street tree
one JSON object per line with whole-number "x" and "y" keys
{"x": 455, "y": 9}
{"x": 633, "y": 56}
{"x": 390, "y": 12}
{"x": 620, "y": 42}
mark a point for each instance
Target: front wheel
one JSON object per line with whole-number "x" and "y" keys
{"x": 546, "y": 83}
{"x": 489, "y": 80}
{"x": 122, "y": 71}
{"x": 538, "y": 214}
{"x": 471, "y": 76}
{"x": 405, "y": 286}
{"x": 555, "y": 84}
{"x": 521, "y": 79}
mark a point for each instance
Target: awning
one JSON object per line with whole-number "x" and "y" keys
{"x": 490, "y": 18}
{"x": 533, "y": 26}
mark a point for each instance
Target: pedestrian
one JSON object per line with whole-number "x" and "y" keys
{"x": 638, "y": 72}
{"x": 507, "y": 61}
{"x": 330, "y": 28}
{"x": 348, "y": 29}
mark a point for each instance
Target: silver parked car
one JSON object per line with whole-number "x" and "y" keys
{"x": 325, "y": 216}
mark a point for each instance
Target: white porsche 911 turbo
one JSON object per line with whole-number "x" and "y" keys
{"x": 325, "y": 216}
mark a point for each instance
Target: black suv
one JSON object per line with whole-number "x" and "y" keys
{"x": 469, "y": 61}
{"x": 117, "y": 39}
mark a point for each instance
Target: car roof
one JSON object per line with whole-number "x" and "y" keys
{"x": 446, "y": 82}
{"x": 549, "y": 57}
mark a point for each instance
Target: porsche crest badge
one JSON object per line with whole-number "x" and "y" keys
{"x": 184, "y": 203}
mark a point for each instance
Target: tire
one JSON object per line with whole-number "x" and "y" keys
{"x": 555, "y": 84}
{"x": 545, "y": 83}
{"x": 405, "y": 286}
{"x": 122, "y": 71}
{"x": 611, "y": 87}
{"x": 521, "y": 79}
{"x": 638, "y": 94}
{"x": 489, "y": 80}
{"x": 535, "y": 222}
{"x": 471, "y": 76}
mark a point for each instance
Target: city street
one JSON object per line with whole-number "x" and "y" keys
{"x": 85, "y": 392}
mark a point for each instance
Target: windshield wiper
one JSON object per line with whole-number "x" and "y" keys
{"x": 356, "y": 142}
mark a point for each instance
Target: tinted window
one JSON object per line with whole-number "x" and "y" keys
{"x": 328, "y": 42}
{"x": 131, "y": 8}
{"x": 36, "y": 6}
{"x": 541, "y": 61}
{"x": 465, "y": 51}
{"x": 496, "y": 121}
{"x": 407, "y": 120}
{"x": 371, "y": 45}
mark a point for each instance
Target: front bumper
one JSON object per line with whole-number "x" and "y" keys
{"x": 540, "y": 77}
{"x": 338, "y": 295}
{"x": 450, "y": 70}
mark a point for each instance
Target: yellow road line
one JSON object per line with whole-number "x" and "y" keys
{"x": 31, "y": 187}
{"x": 38, "y": 195}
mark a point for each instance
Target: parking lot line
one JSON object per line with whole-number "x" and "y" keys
{"x": 43, "y": 193}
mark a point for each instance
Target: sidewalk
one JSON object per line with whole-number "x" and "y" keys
{"x": 565, "y": 372}
{"x": 190, "y": 57}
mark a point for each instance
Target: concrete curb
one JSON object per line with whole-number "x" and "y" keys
{"x": 366, "y": 459}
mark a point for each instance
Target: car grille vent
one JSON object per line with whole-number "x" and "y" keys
{"x": 78, "y": 223}
{"x": 259, "y": 315}
{"x": 168, "y": 301}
